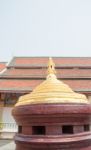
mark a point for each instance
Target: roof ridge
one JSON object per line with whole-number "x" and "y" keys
{"x": 52, "y": 57}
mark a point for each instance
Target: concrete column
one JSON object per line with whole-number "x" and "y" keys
{"x": 78, "y": 128}
{"x": 53, "y": 130}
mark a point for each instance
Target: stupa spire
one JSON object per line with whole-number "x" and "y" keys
{"x": 51, "y": 67}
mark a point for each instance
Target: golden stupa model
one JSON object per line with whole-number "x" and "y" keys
{"x": 53, "y": 117}
{"x": 52, "y": 90}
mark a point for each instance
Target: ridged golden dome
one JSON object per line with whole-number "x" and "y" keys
{"x": 52, "y": 90}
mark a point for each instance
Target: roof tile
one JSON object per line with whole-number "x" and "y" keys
{"x": 59, "y": 61}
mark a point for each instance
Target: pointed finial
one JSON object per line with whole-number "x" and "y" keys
{"x": 51, "y": 67}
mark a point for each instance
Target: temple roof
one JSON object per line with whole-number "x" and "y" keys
{"x": 28, "y": 85}
{"x": 34, "y": 71}
{"x": 42, "y": 61}
{"x": 41, "y": 73}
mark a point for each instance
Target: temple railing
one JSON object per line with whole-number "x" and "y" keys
{"x": 8, "y": 127}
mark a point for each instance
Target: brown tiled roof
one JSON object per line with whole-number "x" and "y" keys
{"x": 18, "y": 85}
{"x": 41, "y": 73}
{"x": 2, "y": 66}
{"x": 25, "y": 72}
{"x": 28, "y": 74}
{"x": 28, "y": 85}
{"x": 42, "y": 61}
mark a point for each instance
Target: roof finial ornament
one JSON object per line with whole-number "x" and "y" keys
{"x": 51, "y": 67}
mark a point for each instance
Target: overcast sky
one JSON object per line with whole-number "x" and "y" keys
{"x": 45, "y": 28}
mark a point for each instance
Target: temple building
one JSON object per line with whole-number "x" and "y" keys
{"x": 22, "y": 74}
{"x": 53, "y": 117}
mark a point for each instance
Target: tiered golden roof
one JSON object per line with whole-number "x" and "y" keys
{"x": 52, "y": 90}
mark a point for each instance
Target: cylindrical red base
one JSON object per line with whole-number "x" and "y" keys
{"x": 72, "y": 142}
{"x": 50, "y": 148}
{"x": 63, "y": 127}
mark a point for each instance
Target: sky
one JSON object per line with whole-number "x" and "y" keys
{"x": 45, "y": 28}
